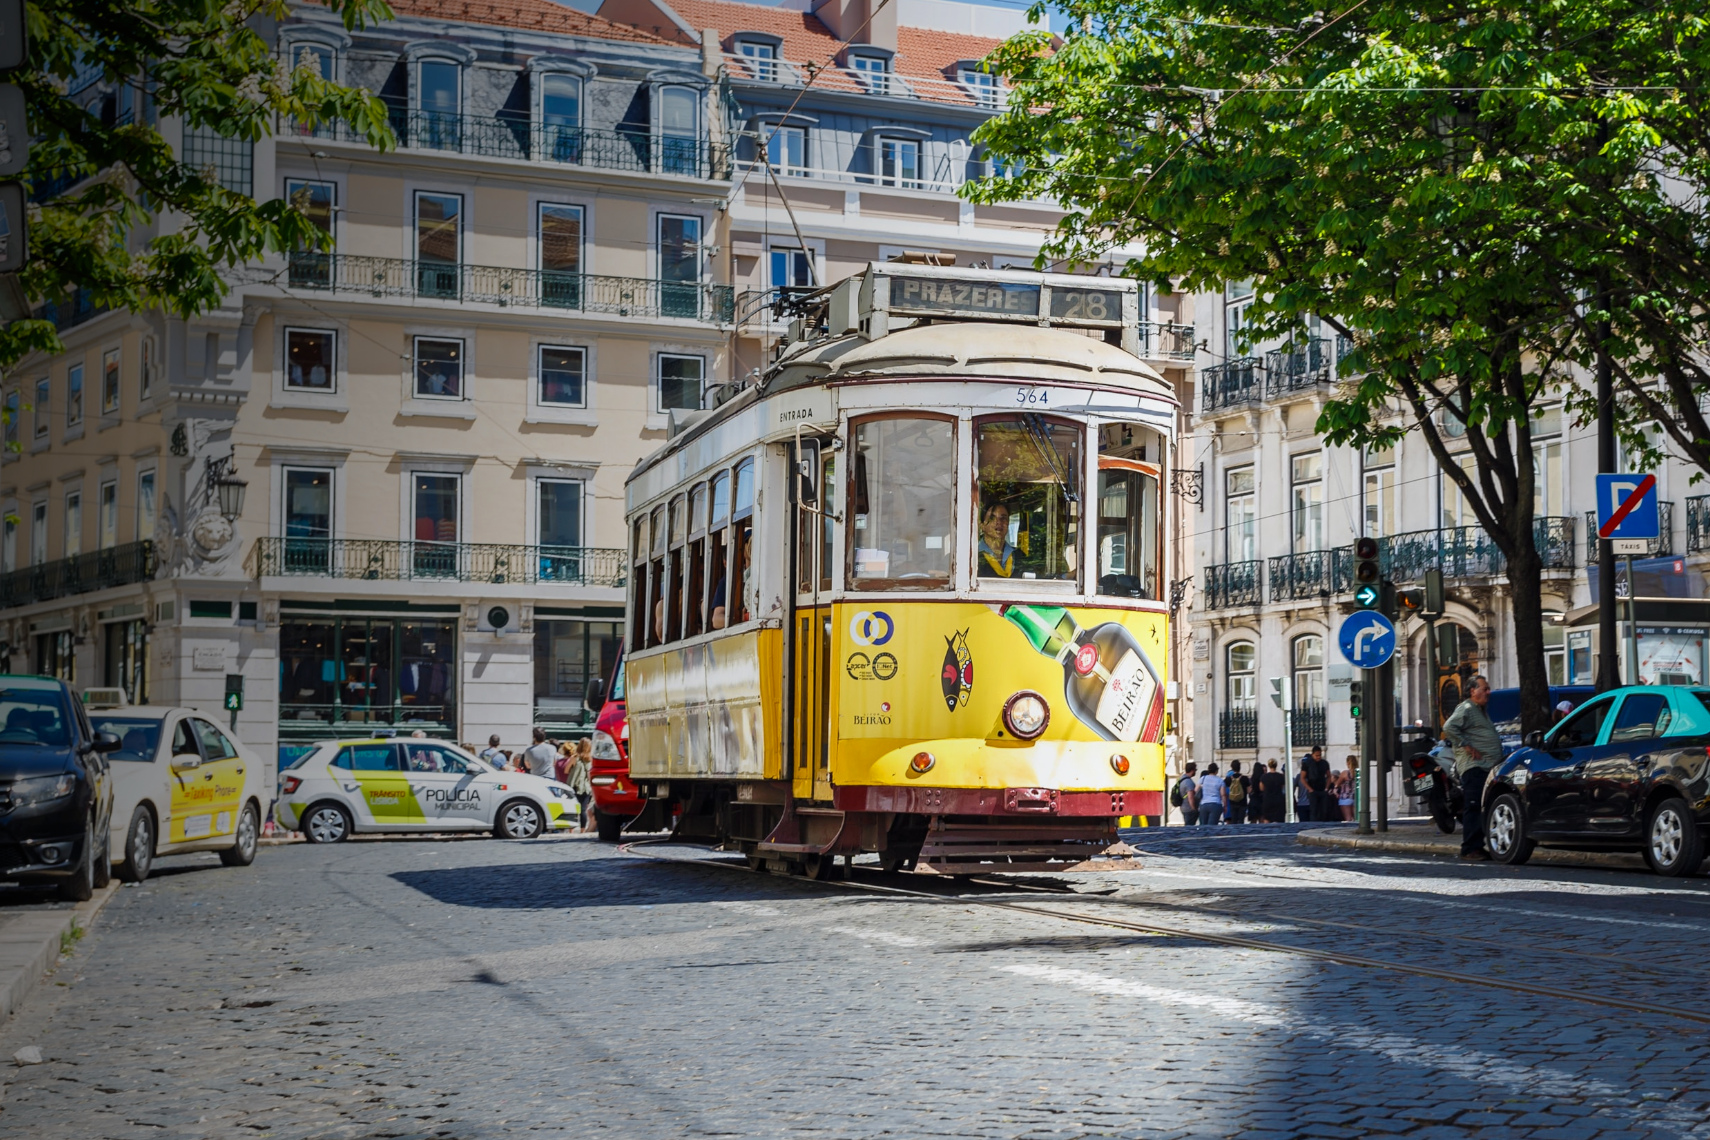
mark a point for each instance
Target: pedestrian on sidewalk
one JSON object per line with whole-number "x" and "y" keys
{"x": 1213, "y": 796}
{"x": 1185, "y": 795}
{"x": 1478, "y": 749}
{"x": 1315, "y": 774}
{"x": 1236, "y": 789}
{"x": 574, "y": 764}
{"x": 493, "y": 754}
{"x": 540, "y": 755}
{"x": 1345, "y": 784}
{"x": 1275, "y": 796}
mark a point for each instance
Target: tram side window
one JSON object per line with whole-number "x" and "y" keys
{"x": 1028, "y": 498}
{"x": 902, "y": 494}
{"x": 717, "y": 552}
{"x": 656, "y": 580}
{"x": 1127, "y": 529}
{"x": 638, "y": 581}
{"x": 679, "y": 522}
{"x": 694, "y": 572}
{"x": 742, "y": 584}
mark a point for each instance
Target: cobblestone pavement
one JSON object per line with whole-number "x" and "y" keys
{"x": 476, "y": 988}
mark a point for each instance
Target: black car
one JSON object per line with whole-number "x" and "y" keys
{"x": 1628, "y": 770}
{"x": 56, "y": 788}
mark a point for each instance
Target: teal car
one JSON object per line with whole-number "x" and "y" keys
{"x": 1629, "y": 770}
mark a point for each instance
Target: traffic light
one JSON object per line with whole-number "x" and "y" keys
{"x": 1356, "y": 699}
{"x": 1433, "y": 608}
{"x": 1410, "y": 601}
{"x": 1448, "y": 647}
{"x": 1367, "y": 575}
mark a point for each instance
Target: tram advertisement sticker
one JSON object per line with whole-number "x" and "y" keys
{"x": 1101, "y": 670}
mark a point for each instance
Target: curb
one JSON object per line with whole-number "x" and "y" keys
{"x": 30, "y": 942}
{"x": 1449, "y": 847}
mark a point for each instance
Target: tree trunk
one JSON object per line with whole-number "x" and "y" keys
{"x": 1526, "y": 597}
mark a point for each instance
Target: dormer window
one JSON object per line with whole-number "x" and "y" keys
{"x": 760, "y": 59}
{"x": 982, "y": 85}
{"x": 439, "y": 103}
{"x": 874, "y": 71}
{"x": 786, "y": 149}
{"x": 316, "y": 57}
{"x": 561, "y": 116}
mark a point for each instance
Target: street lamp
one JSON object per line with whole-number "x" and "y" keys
{"x": 230, "y": 489}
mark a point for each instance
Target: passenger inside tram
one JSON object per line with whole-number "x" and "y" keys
{"x": 1028, "y": 490}
{"x": 997, "y": 556}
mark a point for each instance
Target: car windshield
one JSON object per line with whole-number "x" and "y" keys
{"x": 34, "y": 716}
{"x": 138, "y": 736}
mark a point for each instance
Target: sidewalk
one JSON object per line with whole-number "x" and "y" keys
{"x": 1413, "y": 838}
{"x": 31, "y": 934}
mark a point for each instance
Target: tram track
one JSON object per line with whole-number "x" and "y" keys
{"x": 1237, "y": 941}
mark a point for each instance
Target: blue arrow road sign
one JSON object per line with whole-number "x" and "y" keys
{"x": 1627, "y": 507}
{"x": 1367, "y": 639}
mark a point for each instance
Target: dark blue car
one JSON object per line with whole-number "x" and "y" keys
{"x": 56, "y": 788}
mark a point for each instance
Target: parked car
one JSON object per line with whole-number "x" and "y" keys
{"x": 1626, "y": 771}
{"x": 180, "y": 783}
{"x": 56, "y": 788}
{"x": 380, "y": 785}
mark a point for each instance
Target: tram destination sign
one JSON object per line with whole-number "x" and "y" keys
{"x": 964, "y": 298}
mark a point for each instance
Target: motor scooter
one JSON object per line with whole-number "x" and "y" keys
{"x": 1430, "y": 776}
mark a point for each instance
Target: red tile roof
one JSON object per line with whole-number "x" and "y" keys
{"x": 535, "y": 15}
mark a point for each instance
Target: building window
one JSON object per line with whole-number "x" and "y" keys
{"x": 374, "y": 670}
{"x": 679, "y": 266}
{"x": 107, "y": 516}
{"x": 558, "y": 528}
{"x": 38, "y": 534}
{"x": 899, "y": 162}
{"x": 1306, "y": 479}
{"x": 982, "y": 85}
{"x": 1242, "y": 676}
{"x": 1235, "y": 312}
{"x": 228, "y": 161}
{"x": 786, "y": 149}
{"x": 561, "y": 256}
{"x": 149, "y": 366}
{"x": 1549, "y": 477}
{"x": 439, "y": 102}
{"x": 56, "y": 657}
{"x": 791, "y": 268}
{"x": 8, "y": 543}
{"x": 561, "y": 376}
{"x": 439, "y": 368}
{"x": 307, "y": 517}
{"x": 127, "y": 659}
{"x": 439, "y": 220}
{"x": 1308, "y": 671}
{"x": 315, "y": 201}
{"x": 436, "y": 513}
{"x": 44, "y": 402}
{"x": 568, "y": 655}
{"x": 1240, "y": 516}
{"x": 874, "y": 72}
{"x": 762, "y": 60}
{"x": 679, "y": 130}
{"x": 14, "y": 409}
{"x": 110, "y": 382}
{"x": 1378, "y": 493}
{"x": 680, "y": 379}
{"x": 74, "y": 395}
{"x": 145, "y": 505}
{"x": 73, "y": 524}
{"x": 309, "y": 359}
{"x": 1457, "y": 512}
{"x": 318, "y": 58}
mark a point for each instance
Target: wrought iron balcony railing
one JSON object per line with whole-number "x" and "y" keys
{"x": 1698, "y": 524}
{"x": 1659, "y": 547}
{"x": 520, "y": 288}
{"x": 1233, "y": 385}
{"x": 1306, "y": 727}
{"x": 1160, "y": 340}
{"x": 1238, "y": 728}
{"x": 367, "y": 559}
{"x": 80, "y": 573}
{"x": 1297, "y": 366}
{"x": 1234, "y": 584}
{"x": 1461, "y": 552}
{"x": 1302, "y": 577}
{"x": 637, "y": 149}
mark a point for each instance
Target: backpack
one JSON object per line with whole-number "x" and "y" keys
{"x": 1237, "y": 789}
{"x": 1176, "y": 793}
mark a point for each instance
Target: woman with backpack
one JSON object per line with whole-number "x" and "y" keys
{"x": 1235, "y": 791}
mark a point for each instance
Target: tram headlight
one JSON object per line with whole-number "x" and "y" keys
{"x": 1026, "y": 714}
{"x": 1119, "y": 764}
{"x": 923, "y": 761}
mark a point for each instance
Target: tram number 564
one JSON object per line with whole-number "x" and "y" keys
{"x": 1031, "y": 397}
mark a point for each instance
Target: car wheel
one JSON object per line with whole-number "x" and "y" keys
{"x": 139, "y": 847}
{"x": 242, "y": 852}
{"x": 520, "y": 819}
{"x": 326, "y": 823}
{"x": 1673, "y": 845}
{"x": 608, "y": 827}
{"x": 79, "y": 886}
{"x": 1505, "y": 831}
{"x": 103, "y": 864}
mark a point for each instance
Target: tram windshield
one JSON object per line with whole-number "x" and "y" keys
{"x": 902, "y": 497}
{"x": 1127, "y": 506}
{"x": 1027, "y": 498}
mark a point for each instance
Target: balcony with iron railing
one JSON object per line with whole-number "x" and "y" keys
{"x": 1299, "y": 366}
{"x": 1233, "y": 584}
{"x": 1465, "y": 552}
{"x": 383, "y": 277}
{"x": 1305, "y": 577}
{"x": 1238, "y": 728}
{"x": 636, "y": 149}
{"x": 1659, "y": 547}
{"x": 1236, "y": 384}
{"x": 1698, "y": 524}
{"x": 1161, "y": 340}
{"x": 122, "y": 565}
{"x": 976, "y": 94}
{"x": 391, "y": 560}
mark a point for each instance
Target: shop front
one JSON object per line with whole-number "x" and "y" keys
{"x": 349, "y": 675}
{"x": 569, "y": 653}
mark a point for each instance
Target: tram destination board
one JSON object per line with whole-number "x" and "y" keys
{"x": 964, "y": 298}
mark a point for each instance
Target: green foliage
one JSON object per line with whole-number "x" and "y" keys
{"x": 152, "y": 231}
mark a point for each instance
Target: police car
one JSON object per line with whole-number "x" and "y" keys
{"x": 347, "y": 786}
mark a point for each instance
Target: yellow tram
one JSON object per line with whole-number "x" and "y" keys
{"x": 907, "y": 594}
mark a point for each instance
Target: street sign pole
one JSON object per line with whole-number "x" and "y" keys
{"x": 1288, "y": 747}
{"x": 1384, "y": 740}
{"x": 1363, "y": 785}
{"x": 1631, "y": 664}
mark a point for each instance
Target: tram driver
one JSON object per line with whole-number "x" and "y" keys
{"x": 996, "y": 555}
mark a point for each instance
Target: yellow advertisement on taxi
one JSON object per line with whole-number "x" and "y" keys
{"x": 927, "y": 670}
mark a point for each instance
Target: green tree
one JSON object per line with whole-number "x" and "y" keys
{"x": 121, "y": 216}
{"x": 1406, "y": 172}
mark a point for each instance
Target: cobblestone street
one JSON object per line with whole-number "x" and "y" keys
{"x": 475, "y": 988}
